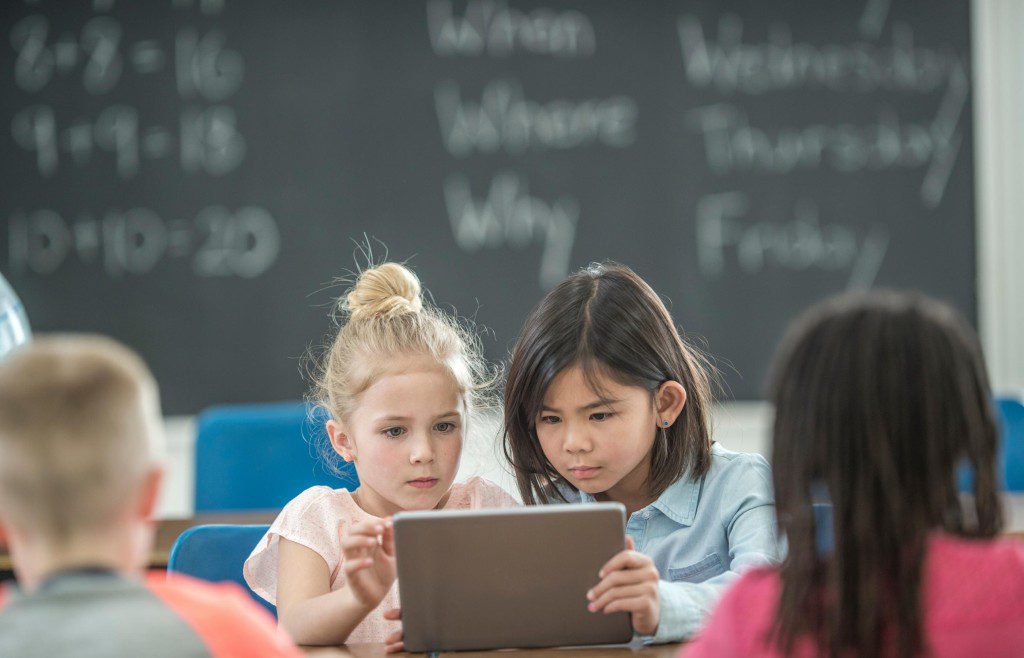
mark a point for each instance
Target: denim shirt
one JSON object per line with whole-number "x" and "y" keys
{"x": 702, "y": 535}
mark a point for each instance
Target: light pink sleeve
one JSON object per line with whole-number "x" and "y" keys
{"x": 311, "y": 520}
{"x": 481, "y": 493}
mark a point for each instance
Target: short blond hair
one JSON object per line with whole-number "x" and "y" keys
{"x": 382, "y": 318}
{"x": 79, "y": 429}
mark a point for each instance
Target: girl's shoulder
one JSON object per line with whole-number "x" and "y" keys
{"x": 723, "y": 458}
{"x": 320, "y": 505}
{"x": 320, "y": 496}
{"x": 979, "y": 579}
{"x": 744, "y": 469}
{"x": 478, "y": 492}
{"x": 742, "y": 618}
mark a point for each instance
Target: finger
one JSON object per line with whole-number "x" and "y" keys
{"x": 394, "y": 637}
{"x": 614, "y": 579}
{"x": 630, "y": 546}
{"x": 635, "y": 605}
{"x": 356, "y": 552}
{"x": 367, "y": 528}
{"x": 618, "y": 593}
{"x": 398, "y": 647}
{"x": 358, "y": 541}
{"x": 388, "y": 539}
{"x": 625, "y": 560}
{"x": 355, "y": 566}
{"x": 393, "y": 614}
{"x": 648, "y": 574}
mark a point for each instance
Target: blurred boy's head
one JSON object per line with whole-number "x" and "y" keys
{"x": 80, "y": 441}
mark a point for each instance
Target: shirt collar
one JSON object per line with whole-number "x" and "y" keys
{"x": 56, "y": 577}
{"x": 678, "y": 502}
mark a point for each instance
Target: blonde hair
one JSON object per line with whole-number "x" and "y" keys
{"x": 384, "y": 317}
{"x": 79, "y": 429}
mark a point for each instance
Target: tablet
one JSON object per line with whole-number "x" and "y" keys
{"x": 508, "y": 578}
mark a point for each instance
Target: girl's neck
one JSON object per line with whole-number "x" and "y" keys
{"x": 633, "y": 490}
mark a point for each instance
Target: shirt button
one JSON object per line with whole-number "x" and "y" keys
{"x": 647, "y": 514}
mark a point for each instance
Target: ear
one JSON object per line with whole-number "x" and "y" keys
{"x": 669, "y": 401}
{"x": 341, "y": 441}
{"x": 149, "y": 493}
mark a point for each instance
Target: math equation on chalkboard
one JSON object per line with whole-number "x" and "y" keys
{"x": 217, "y": 241}
{"x": 100, "y": 56}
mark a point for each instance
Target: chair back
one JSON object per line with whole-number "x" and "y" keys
{"x": 260, "y": 456}
{"x": 217, "y": 553}
{"x": 1011, "y": 416}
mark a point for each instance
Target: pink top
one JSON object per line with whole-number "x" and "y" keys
{"x": 973, "y": 602}
{"x": 318, "y": 518}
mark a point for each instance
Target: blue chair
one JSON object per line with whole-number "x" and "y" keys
{"x": 1010, "y": 469}
{"x": 216, "y": 553}
{"x": 1011, "y": 412}
{"x": 260, "y": 456}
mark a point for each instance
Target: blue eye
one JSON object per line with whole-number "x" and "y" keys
{"x": 393, "y": 432}
{"x": 445, "y": 427}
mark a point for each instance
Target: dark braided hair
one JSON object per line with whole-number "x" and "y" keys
{"x": 879, "y": 398}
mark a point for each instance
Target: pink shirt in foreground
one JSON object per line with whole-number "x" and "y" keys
{"x": 973, "y": 605}
{"x": 319, "y": 517}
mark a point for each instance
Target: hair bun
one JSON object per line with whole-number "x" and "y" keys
{"x": 387, "y": 290}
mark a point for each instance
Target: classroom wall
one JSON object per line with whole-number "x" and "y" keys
{"x": 999, "y": 159}
{"x": 999, "y": 162}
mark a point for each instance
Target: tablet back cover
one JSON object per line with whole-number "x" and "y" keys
{"x": 488, "y": 579}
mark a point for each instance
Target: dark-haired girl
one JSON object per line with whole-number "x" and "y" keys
{"x": 604, "y": 401}
{"x": 879, "y": 400}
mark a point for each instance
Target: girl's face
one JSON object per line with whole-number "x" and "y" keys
{"x": 603, "y": 444}
{"x": 405, "y": 437}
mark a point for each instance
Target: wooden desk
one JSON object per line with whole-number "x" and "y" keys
{"x": 168, "y": 530}
{"x": 377, "y": 651}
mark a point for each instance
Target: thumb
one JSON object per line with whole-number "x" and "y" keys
{"x": 630, "y": 546}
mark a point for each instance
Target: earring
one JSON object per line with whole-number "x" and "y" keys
{"x": 665, "y": 423}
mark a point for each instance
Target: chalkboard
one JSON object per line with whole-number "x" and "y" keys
{"x": 191, "y": 175}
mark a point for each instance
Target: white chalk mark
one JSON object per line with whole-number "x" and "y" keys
{"x": 493, "y": 28}
{"x": 728, "y": 239}
{"x": 77, "y": 140}
{"x": 872, "y": 19}
{"x": 179, "y": 238}
{"x": 65, "y": 53}
{"x": 947, "y": 118}
{"x": 725, "y": 61}
{"x": 87, "y": 238}
{"x": 505, "y": 120}
{"x": 869, "y": 262}
{"x": 147, "y": 56}
{"x": 511, "y": 216}
{"x": 35, "y": 129}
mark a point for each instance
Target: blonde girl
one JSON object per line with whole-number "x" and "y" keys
{"x": 398, "y": 382}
